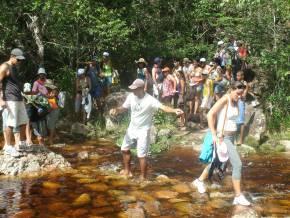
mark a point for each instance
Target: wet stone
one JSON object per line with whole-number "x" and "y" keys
{"x": 181, "y": 188}
{"x": 87, "y": 180}
{"x": 219, "y": 203}
{"x": 184, "y": 207}
{"x": 119, "y": 183}
{"x": 58, "y": 207}
{"x": 82, "y": 200}
{"x": 81, "y": 212}
{"x": 244, "y": 212}
{"x": 126, "y": 198}
{"x": 101, "y": 201}
{"x": 152, "y": 208}
{"x": 51, "y": 185}
{"x": 177, "y": 200}
{"x": 164, "y": 194}
{"x": 28, "y": 213}
{"x": 116, "y": 192}
{"x": 141, "y": 195}
{"x": 99, "y": 187}
{"x": 135, "y": 213}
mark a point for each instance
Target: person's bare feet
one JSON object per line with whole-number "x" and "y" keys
{"x": 126, "y": 173}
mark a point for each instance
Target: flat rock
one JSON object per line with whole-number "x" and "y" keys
{"x": 99, "y": 187}
{"x": 244, "y": 212}
{"x": 51, "y": 185}
{"x": 164, "y": 194}
{"x": 82, "y": 200}
{"x": 181, "y": 188}
{"x": 39, "y": 159}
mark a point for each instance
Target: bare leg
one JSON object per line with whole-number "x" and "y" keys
{"x": 237, "y": 186}
{"x": 143, "y": 167}
{"x": 204, "y": 174}
{"x": 127, "y": 162}
{"x": 17, "y": 137}
{"x": 9, "y": 133}
{"x": 28, "y": 134}
{"x": 196, "y": 104}
{"x": 40, "y": 140}
{"x": 190, "y": 106}
{"x": 23, "y": 132}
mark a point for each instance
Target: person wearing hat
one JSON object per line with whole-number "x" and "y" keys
{"x": 107, "y": 72}
{"x": 142, "y": 107}
{"x": 83, "y": 97}
{"x": 143, "y": 73}
{"x": 187, "y": 67}
{"x": 38, "y": 85}
{"x": 12, "y": 100}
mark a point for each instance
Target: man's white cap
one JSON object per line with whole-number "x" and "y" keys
{"x": 80, "y": 71}
{"x": 220, "y": 42}
{"x": 106, "y": 54}
{"x": 202, "y": 60}
{"x": 41, "y": 70}
{"x": 138, "y": 83}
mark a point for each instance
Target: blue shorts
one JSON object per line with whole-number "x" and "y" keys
{"x": 108, "y": 80}
{"x": 242, "y": 111}
{"x": 96, "y": 92}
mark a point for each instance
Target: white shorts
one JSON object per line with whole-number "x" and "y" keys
{"x": 206, "y": 102}
{"x": 139, "y": 138}
{"x": 17, "y": 114}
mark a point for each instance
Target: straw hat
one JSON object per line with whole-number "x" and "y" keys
{"x": 141, "y": 60}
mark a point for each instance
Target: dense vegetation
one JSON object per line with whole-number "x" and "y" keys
{"x": 60, "y": 34}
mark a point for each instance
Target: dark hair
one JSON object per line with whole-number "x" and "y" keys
{"x": 237, "y": 85}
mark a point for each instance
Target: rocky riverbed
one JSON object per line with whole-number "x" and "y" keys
{"x": 92, "y": 187}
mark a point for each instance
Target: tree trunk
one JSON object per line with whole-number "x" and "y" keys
{"x": 34, "y": 27}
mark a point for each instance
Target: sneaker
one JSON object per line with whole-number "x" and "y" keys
{"x": 241, "y": 200}
{"x": 14, "y": 153}
{"x": 7, "y": 149}
{"x": 199, "y": 185}
{"x": 23, "y": 146}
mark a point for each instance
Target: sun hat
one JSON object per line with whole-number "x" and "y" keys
{"x": 80, "y": 71}
{"x": 49, "y": 84}
{"x": 186, "y": 60}
{"x": 141, "y": 60}
{"x": 41, "y": 70}
{"x": 202, "y": 60}
{"x": 166, "y": 69}
{"x": 106, "y": 54}
{"x": 18, "y": 53}
{"x": 220, "y": 42}
{"x": 138, "y": 83}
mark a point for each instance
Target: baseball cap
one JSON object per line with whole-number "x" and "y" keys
{"x": 106, "y": 54}
{"x": 41, "y": 70}
{"x": 202, "y": 60}
{"x": 220, "y": 42}
{"x": 18, "y": 53}
{"x": 80, "y": 71}
{"x": 157, "y": 60}
{"x": 138, "y": 83}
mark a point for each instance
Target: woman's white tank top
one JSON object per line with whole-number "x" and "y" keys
{"x": 230, "y": 122}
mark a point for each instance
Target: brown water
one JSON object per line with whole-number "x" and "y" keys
{"x": 88, "y": 192}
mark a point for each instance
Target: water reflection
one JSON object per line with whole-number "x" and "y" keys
{"x": 93, "y": 188}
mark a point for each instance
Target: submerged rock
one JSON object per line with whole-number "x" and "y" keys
{"x": 38, "y": 159}
{"x": 82, "y": 200}
{"x": 244, "y": 212}
{"x": 51, "y": 185}
{"x": 135, "y": 213}
{"x": 184, "y": 207}
{"x": 164, "y": 194}
{"x": 99, "y": 187}
{"x": 181, "y": 188}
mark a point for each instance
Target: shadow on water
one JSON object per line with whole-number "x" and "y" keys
{"x": 87, "y": 191}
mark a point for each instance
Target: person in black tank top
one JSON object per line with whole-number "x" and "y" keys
{"x": 12, "y": 100}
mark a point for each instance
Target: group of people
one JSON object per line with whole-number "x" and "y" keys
{"x": 93, "y": 84}
{"x": 196, "y": 85}
{"x": 27, "y": 109}
{"x": 217, "y": 88}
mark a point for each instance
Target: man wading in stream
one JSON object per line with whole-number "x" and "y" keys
{"x": 142, "y": 106}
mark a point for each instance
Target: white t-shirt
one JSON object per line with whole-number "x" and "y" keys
{"x": 142, "y": 110}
